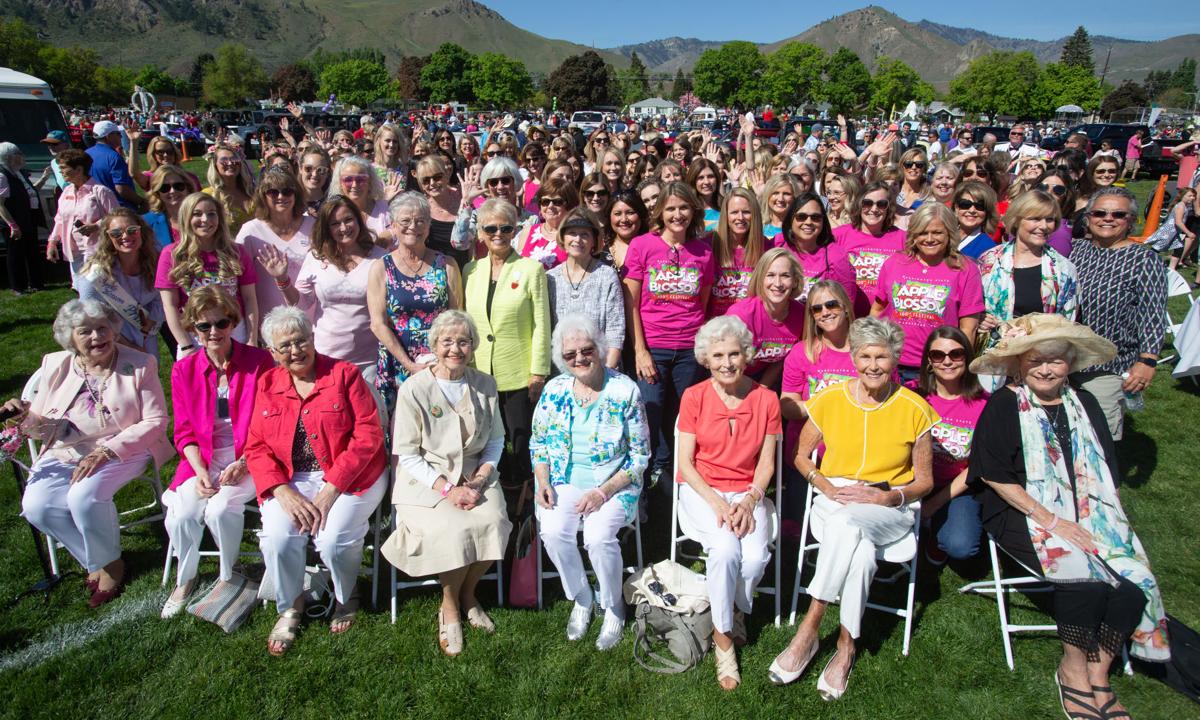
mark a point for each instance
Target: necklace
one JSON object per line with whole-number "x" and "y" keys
{"x": 585, "y": 397}
{"x": 409, "y": 268}
{"x": 96, "y": 392}
{"x": 575, "y": 286}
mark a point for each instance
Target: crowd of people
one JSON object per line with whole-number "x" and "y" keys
{"x": 944, "y": 336}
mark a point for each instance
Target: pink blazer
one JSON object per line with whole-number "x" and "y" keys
{"x": 88, "y": 204}
{"x": 134, "y": 396}
{"x": 194, "y": 398}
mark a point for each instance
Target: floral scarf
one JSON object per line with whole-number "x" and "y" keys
{"x": 1059, "y": 284}
{"x": 1119, "y": 553}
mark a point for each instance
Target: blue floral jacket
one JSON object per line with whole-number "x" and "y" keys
{"x": 620, "y": 440}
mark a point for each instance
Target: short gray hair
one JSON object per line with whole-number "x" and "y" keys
{"x": 354, "y": 162}
{"x": 725, "y": 327}
{"x": 286, "y": 319}
{"x": 74, "y": 313}
{"x": 410, "y": 200}
{"x": 868, "y": 331}
{"x": 500, "y": 166}
{"x": 7, "y": 151}
{"x": 571, "y": 325}
{"x": 497, "y": 206}
{"x": 1113, "y": 191}
{"x": 448, "y": 319}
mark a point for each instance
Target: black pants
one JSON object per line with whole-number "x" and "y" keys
{"x": 517, "y": 412}
{"x": 24, "y": 260}
{"x": 1095, "y": 616}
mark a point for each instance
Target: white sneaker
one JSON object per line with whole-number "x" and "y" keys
{"x": 577, "y": 625}
{"x": 611, "y": 631}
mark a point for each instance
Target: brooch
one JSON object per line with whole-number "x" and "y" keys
{"x": 436, "y": 411}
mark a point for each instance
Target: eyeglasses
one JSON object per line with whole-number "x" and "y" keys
{"x": 222, "y": 324}
{"x": 1105, "y": 171}
{"x": 968, "y": 138}
{"x": 916, "y": 164}
{"x": 1016, "y": 133}
{"x": 1114, "y": 214}
{"x": 881, "y": 204}
{"x": 172, "y": 187}
{"x": 318, "y": 170}
{"x": 410, "y": 222}
{"x": 965, "y": 204}
{"x": 498, "y": 181}
{"x": 275, "y": 193}
{"x": 977, "y": 172}
{"x": 289, "y": 347}
{"x": 552, "y": 202}
{"x": 229, "y": 162}
{"x": 595, "y": 194}
{"x": 939, "y": 356}
{"x": 584, "y": 353}
{"x": 356, "y": 179}
{"x": 602, "y": 140}
{"x": 807, "y": 217}
{"x": 127, "y": 232}
{"x": 1058, "y": 190}
{"x": 498, "y": 229}
{"x": 162, "y": 151}
{"x": 431, "y": 179}
{"x": 818, "y": 308}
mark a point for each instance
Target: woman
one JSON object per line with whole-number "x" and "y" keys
{"x": 668, "y": 282}
{"x": 590, "y": 447}
{"x": 355, "y": 179}
{"x": 81, "y": 206}
{"x": 737, "y": 245}
{"x": 447, "y": 439}
{"x": 533, "y": 164}
{"x": 1059, "y": 184}
{"x": 928, "y": 285}
{"x": 954, "y": 392}
{"x": 315, "y": 173}
{"x": 1045, "y": 459}
{"x": 649, "y": 191}
{"x": 212, "y": 394}
{"x": 869, "y": 240}
{"x": 468, "y": 148}
{"x": 343, "y": 145}
{"x": 391, "y": 156}
{"x": 21, "y": 211}
{"x": 728, "y": 427}
{"x": 1101, "y": 172}
{"x": 332, "y": 285}
{"x": 160, "y": 151}
{"x": 704, "y": 176}
{"x": 597, "y": 143}
{"x": 121, "y": 276}
{"x": 170, "y": 186}
{"x": 627, "y": 218}
{"x": 542, "y": 241}
{"x": 877, "y": 462}
{"x": 1183, "y": 219}
{"x": 612, "y": 169}
{"x": 582, "y": 285}
{"x": 914, "y": 187}
{"x": 315, "y": 451}
{"x": 405, "y": 294}
{"x": 205, "y": 255}
{"x": 99, "y": 415}
{"x": 229, "y": 181}
{"x": 975, "y": 210}
{"x": 841, "y": 190}
{"x": 1029, "y": 169}
{"x": 508, "y": 300}
{"x": 500, "y": 178}
{"x": 943, "y": 182}
{"x": 1025, "y": 275}
{"x": 594, "y": 193}
{"x": 681, "y": 152}
{"x": 974, "y": 168}
{"x": 809, "y": 237}
{"x": 775, "y": 198}
{"x": 279, "y": 222}
{"x": 434, "y": 178}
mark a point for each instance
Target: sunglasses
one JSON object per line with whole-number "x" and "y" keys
{"x": 968, "y": 138}
{"x": 955, "y": 355}
{"x": 317, "y": 170}
{"x": 431, "y": 179}
{"x": 1114, "y": 214}
{"x": 818, "y": 308}
{"x": 657, "y": 588}
{"x": 222, "y": 324}
{"x": 280, "y": 192}
{"x": 498, "y": 181}
{"x": 498, "y": 229}
{"x": 492, "y": 153}
{"x": 1058, "y": 190}
{"x": 595, "y": 194}
{"x": 584, "y": 353}
{"x": 600, "y": 141}
{"x": 974, "y": 173}
{"x": 229, "y": 162}
{"x": 807, "y": 217}
{"x": 965, "y": 204}
{"x": 916, "y": 164}
{"x": 881, "y": 204}
{"x": 172, "y": 187}
{"x": 552, "y": 202}
{"x": 1106, "y": 171}
{"x": 355, "y": 179}
{"x": 127, "y": 232}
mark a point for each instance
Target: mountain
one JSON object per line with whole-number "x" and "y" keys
{"x": 666, "y": 56}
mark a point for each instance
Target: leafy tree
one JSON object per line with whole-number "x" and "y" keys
{"x": 445, "y": 78}
{"x": 847, "y": 81}
{"x": 634, "y": 82}
{"x": 157, "y": 81}
{"x": 499, "y": 80}
{"x": 1157, "y": 82}
{"x": 1060, "y": 84}
{"x": 196, "y": 74}
{"x": 580, "y": 82}
{"x": 1077, "y": 51}
{"x": 793, "y": 74}
{"x": 293, "y": 82}
{"x": 895, "y": 83}
{"x": 1184, "y": 77}
{"x": 1128, "y": 94}
{"x": 997, "y": 84}
{"x": 681, "y": 86}
{"x": 356, "y": 82}
{"x": 408, "y": 77}
{"x": 234, "y": 78}
{"x": 72, "y": 73}
{"x": 112, "y": 85}
{"x": 20, "y": 48}
{"x": 322, "y": 58}
{"x": 730, "y": 75}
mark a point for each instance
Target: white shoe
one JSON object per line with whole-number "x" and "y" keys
{"x": 173, "y": 607}
{"x": 611, "y": 631}
{"x": 779, "y": 676}
{"x": 577, "y": 625}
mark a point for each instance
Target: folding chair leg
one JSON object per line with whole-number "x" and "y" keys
{"x": 1001, "y": 606}
{"x": 167, "y": 564}
{"x": 394, "y": 593}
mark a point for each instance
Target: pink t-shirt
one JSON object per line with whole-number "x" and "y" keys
{"x": 772, "y": 340}
{"x": 807, "y": 378}
{"x": 544, "y": 251}
{"x": 1133, "y": 149}
{"x": 256, "y": 235}
{"x": 166, "y": 261}
{"x": 337, "y": 303}
{"x": 828, "y": 263}
{"x": 920, "y": 299}
{"x": 867, "y": 254}
{"x": 731, "y": 285}
{"x": 952, "y": 434}
{"x": 675, "y": 285}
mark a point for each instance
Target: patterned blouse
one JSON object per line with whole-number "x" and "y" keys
{"x": 1058, "y": 287}
{"x": 1123, "y": 298}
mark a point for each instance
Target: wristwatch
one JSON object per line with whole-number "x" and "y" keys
{"x": 1152, "y": 362}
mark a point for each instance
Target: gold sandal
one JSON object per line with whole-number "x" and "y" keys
{"x": 284, "y": 631}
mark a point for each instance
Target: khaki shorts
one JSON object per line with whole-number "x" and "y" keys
{"x": 1106, "y": 387}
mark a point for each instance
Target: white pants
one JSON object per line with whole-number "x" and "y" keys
{"x": 81, "y": 516}
{"x": 339, "y": 544}
{"x": 849, "y": 536}
{"x": 223, "y": 513}
{"x": 735, "y": 565}
{"x": 558, "y": 527}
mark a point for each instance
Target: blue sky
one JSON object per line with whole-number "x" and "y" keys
{"x": 620, "y": 22}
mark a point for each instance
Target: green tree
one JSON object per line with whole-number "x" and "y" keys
{"x": 895, "y": 83}
{"x": 847, "y": 81}
{"x": 1184, "y": 77}
{"x": 322, "y": 58}
{"x": 234, "y": 78}
{"x": 1128, "y": 94}
{"x": 1060, "y": 84}
{"x": 793, "y": 74}
{"x": 634, "y": 81}
{"x": 356, "y": 82}
{"x": 445, "y": 78}
{"x": 580, "y": 82}
{"x": 1156, "y": 83}
{"x": 196, "y": 74}
{"x": 1077, "y": 51}
{"x": 20, "y": 48}
{"x": 730, "y": 75}
{"x": 408, "y": 77}
{"x": 112, "y": 85}
{"x": 998, "y": 83}
{"x": 293, "y": 82}
{"x": 681, "y": 86}
{"x": 499, "y": 80}
{"x": 156, "y": 80}
{"x": 72, "y": 73}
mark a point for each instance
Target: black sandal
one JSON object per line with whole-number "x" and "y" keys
{"x": 1104, "y": 709}
{"x": 1064, "y": 691}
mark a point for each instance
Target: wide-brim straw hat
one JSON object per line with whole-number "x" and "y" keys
{"x": 1030, "y": 330}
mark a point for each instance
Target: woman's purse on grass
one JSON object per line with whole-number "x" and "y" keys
{"x": 670, "y": 608}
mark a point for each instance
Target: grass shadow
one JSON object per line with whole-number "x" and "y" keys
{"x": 1137, "y": 454}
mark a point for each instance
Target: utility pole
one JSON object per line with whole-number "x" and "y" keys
{"x": 1104, "y": 72}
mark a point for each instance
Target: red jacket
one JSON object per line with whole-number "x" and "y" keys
{"x": 340, "y": 417}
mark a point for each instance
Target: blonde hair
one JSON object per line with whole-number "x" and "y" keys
{"x": 245, "y": 181}
{"x": 152, "y": 163}
{"x": 812, "y": 331}
{"x": 722, "y": 238}
{"x": 105, "y": 257}
{"x": 381, "y": 158}
{"x": 186, "y": 255}
{"x": 1034, "y": 203}
{"x": 156, "y": 180}
{"x": 922, "y": 219}
{"x": 758, "y": 278}
{"x": 772, "y": 184}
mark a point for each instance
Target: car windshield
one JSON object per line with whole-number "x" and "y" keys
{"x": 588, "y": 117}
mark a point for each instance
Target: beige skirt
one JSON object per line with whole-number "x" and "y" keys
{"x": 429, "y": 541}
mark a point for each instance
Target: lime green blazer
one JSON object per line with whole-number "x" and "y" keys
{"x": 514, "y": 340}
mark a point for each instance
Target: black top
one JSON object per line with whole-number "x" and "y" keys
{"x": 439, "y": 240}
{"x": 1027, "y": 290}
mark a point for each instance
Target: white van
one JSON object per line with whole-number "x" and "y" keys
{"x": 28, "y": 112}
{"x": 702, "y": 115}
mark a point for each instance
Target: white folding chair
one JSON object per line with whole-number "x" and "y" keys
{"x": 679, "y": 533}
{"x": 544, "y": 575}
{"x": 902, "y": 552}
{"x": 1177, "y": 286}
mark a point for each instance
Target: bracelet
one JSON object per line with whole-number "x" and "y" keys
{"x": 1053, "y": 524}
{"x": 445, "y": 491}
{"x": 903, "y": 500}
{"x": 285, "y": 282}
{"x": 756, "y": 489}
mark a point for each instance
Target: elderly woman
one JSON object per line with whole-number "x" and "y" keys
{"x": 585, "y": 285}
{"x": 121, "y": 275}
{"x": 99, "y": 415}
{"x": 446, "y": 442}
{"x": 508, "y": 299}
{"x": 405, "y": 293}
{"x": 21, "y": 212}
{"x": 500, "y": 178}
{"x": 878, "y": 455}
{"x": 212, "y": 393}
{"x": 728, "y": 427}
{"x": 83, "y": 203}
{"x": 280, "y": 222}
{"x": 943, "y": 182}
{"x": 1045, "y": 457}
{"x": 315, "y": 451}
{"x": 590, "y": 447}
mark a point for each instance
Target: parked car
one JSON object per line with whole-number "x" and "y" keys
{"x": 588, "y": 121}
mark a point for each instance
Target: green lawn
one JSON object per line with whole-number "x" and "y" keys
{"x": 59, "y": 659}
